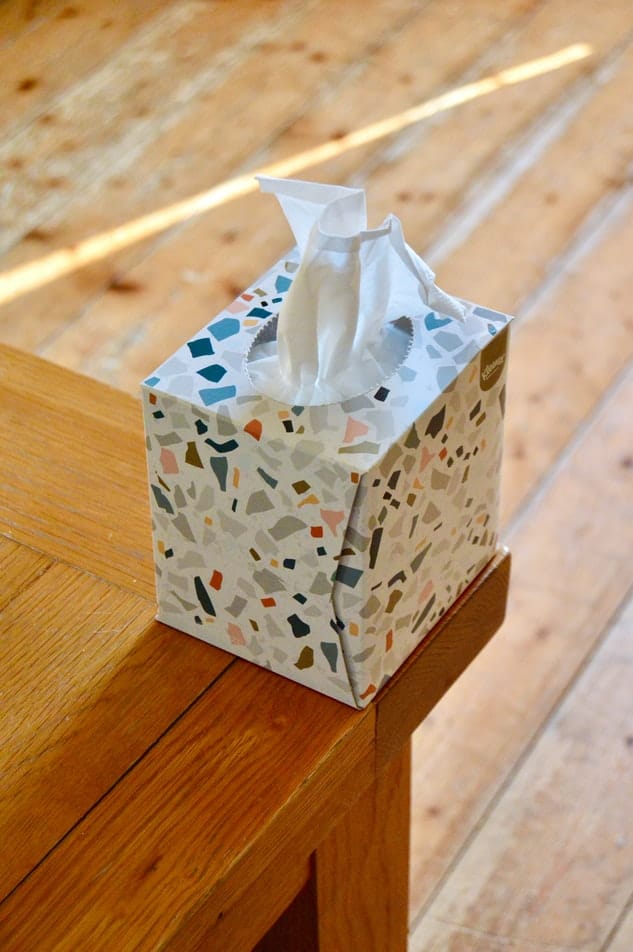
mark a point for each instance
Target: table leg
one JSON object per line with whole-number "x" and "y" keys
{"x": 362, "y": 868}
{"x": 358, "y": 894}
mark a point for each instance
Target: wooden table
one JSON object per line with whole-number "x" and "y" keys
{"x": 156, "y": 792}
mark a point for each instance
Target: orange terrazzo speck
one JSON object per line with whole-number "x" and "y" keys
{"x": 254, "y": 429}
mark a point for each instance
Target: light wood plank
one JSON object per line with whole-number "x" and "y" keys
{"x": 402, "y": 74}
{"x": 550, "y": 201}
{"x": 622, "y": 938}
{"x": 163, "y": 289}
{"x": 544, "y": 409}
{"x": 563, "y": 359}
{"x": 112, "y": 116}
{"x": 442, "y": 165}
{"x": 362, "y": 868}
{"x": 66, "y": 739}
{"x": 74, "y": 471}
{"x": 19, "y": 567}
{"x": 552, "y": 866}
{"x": 22, "y": 16}
{"x": 576, "y": 537}
{"x": 208, "y": 809}
{"x": 73, "y": 41}
{"x": 185, "y": 158}
{"x": 192, "y": 283}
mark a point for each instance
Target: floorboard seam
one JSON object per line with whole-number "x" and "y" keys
{"x": 620, "y": 918}
{"x": 488, "y": 191}
{"x": 512, "y": 772}
{"x": 623, "y": 378}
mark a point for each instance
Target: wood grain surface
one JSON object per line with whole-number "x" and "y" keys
{"x": 82, "y": 441}
{"x": 562, "y": 370}
{"x": 104, "y": 682}
{"x": 362, "y": 867}
{"x": 204, "y": 814}
{"x": 576, "y": 536}
{"x": 560, "y": 851}
{"x": 59, "y": 40}
{"x": 19, "y": 566}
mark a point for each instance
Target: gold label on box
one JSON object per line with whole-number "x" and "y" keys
{"x": 492, "y": 360}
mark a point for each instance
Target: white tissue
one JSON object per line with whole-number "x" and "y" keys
{"x": 335, "y": 334}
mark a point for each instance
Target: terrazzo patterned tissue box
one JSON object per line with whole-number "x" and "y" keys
{"x": 324, "y": 542}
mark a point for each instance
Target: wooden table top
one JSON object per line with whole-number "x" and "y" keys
{"x": 150, "y": 780}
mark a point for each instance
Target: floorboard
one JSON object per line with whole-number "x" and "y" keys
{"x": 552, "y": 866}
{"x": 575, "y": 536}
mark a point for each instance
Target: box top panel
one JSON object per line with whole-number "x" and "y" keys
{"x": 209, "y": 373}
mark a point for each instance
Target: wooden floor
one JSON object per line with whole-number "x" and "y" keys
{"x": 519, "y": 190}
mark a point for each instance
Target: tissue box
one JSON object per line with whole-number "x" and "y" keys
{"x": 324, "y": 542}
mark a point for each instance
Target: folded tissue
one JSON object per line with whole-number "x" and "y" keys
{"x": 335, "y": 333}
{"x": 324, "y": 455}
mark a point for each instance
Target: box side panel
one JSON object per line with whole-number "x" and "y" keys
{"x": 425, "y": 523}
{"x": 247, "y": 532}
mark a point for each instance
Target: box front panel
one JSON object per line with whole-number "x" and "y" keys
{"x": 247, "y": 532}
